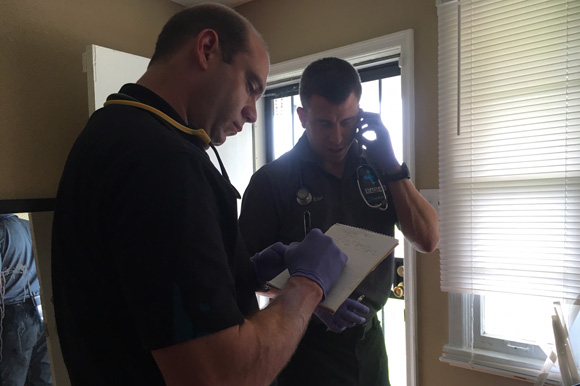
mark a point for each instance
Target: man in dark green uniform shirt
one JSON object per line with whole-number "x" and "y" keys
{"x": 318, "y": 182}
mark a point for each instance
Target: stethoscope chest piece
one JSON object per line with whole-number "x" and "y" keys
{"x": 303, "y": 196}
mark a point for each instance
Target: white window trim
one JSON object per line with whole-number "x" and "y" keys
{"x": 458, "y": 352}
{"x": 399, "y": 43}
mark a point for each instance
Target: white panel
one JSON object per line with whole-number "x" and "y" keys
{"x": 107, "y": 70}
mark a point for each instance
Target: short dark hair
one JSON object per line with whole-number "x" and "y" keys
{"x": 231, "y": 28}
{"x": 332, "y": 78}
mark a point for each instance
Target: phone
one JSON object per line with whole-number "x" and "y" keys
{"x": 359, "y": 130}
{"x": 363, "y": 133}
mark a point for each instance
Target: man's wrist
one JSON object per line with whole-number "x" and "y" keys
{"x": 307, "y": 283}
{"x": 392, "y": 170}
{"x": 396, "y": 174}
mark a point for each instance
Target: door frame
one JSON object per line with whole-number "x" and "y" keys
{"x": 396, "y": 44}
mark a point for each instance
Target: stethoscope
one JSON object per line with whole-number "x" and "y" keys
{"x": 123, "y": 99}
{"x": 374, "y": 197}
{"x": 303, "y": 195}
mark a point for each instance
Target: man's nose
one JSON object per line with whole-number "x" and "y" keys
{"x": 249, "y": 112}
{"x": 336, "y": 136}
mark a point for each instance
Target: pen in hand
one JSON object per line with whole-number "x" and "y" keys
{"x": 307, "y": 223}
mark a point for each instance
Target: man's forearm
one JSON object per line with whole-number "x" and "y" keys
{"x": 252, "y": 353}
{"x": 282, "y": 324}
{"x": 418, "y": 219}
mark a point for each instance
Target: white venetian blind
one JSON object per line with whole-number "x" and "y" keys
{"x": 509, "y": 146}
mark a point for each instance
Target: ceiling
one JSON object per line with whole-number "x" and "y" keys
{"x": 230, "y": 3}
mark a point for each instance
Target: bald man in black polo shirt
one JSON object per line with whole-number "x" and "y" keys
{"x": 152, "y": 282}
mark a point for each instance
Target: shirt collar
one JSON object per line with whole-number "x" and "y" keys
{"x": 144, "y": 95}
{"x": 148, "y": 97}
{"x": 306, "y": 154}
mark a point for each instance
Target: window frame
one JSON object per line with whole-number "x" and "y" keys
{"x": 396, "y": 44}
{"x": 461, "y": 351}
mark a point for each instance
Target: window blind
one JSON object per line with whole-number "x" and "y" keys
{"x": 509, "y": 147}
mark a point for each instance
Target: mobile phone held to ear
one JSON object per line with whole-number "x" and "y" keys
{"x": 359, "y": 132}
{"x": 365, "y": 132}
{"x": 373, "y": 137}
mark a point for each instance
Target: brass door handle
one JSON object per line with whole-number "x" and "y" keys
{"x": 399, "y": 290}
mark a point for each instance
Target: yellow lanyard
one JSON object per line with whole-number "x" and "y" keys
{"x": 200, "y": 133}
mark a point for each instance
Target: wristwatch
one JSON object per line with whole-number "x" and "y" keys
{"x": 397, "y": 176}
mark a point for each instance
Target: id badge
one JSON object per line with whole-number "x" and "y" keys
{"x": 371, "y": 189}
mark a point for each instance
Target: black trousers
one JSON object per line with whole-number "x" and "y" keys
{"x": 355, "y": 357}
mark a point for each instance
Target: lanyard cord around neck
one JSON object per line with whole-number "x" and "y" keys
{"x": 200, "y": 133}
{"x": 223, "y": 169}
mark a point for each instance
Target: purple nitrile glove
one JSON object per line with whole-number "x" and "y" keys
{"x": 318, "y": 258}
{"x": 346, "y": 316}
{"x": 380, "y": 150}
{"x": 270, "y": 262}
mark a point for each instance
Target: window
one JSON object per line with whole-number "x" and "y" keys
{"x": 509, "y": 136}
{"x": 370, "y": 52}
{"x": 381, "y": 94}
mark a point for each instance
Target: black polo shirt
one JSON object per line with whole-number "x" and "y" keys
{"x": 146, "y": 250}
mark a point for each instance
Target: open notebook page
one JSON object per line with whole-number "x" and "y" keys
{"x": 365, "y": 250}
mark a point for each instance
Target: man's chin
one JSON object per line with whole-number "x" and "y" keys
{"x": 335, "y": 157}
{"x": 220, "y": 141}
{"x": 223, "y": 135}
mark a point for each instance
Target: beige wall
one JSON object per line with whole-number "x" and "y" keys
{"x": 295, "y": 28}
{"x": 43, "y": 92}
{"x": 43, "y": 95}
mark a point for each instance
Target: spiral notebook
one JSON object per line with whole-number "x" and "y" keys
{"x": 365, "y": 250}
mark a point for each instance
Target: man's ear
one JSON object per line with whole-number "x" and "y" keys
{"x": 207, "y": 48}
{"x": 302, "y": 116}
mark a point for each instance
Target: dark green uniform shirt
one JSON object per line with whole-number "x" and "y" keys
{"x": 270, "y": 212}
